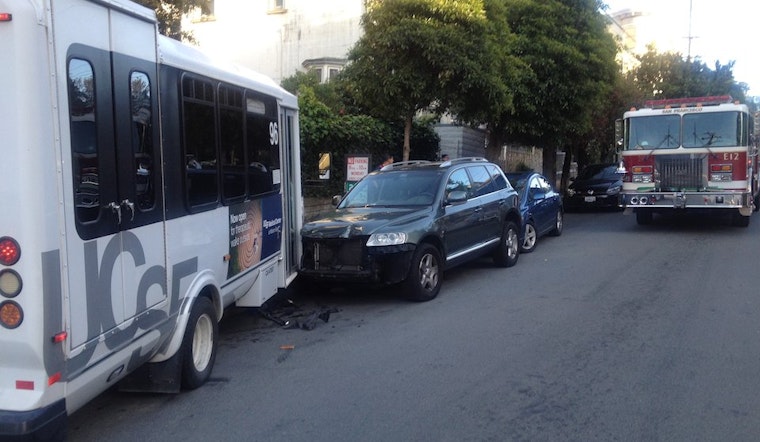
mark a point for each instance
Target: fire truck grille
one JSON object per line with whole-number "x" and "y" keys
{"x": 681, "y": 172}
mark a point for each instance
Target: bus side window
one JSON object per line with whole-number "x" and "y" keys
{"x": 199, "y": 141}
{"x": 84, "y": 148}
{"x": 261, "y": 146}
{"x": 231, "y": 138}
{"x": 142, "y": 140}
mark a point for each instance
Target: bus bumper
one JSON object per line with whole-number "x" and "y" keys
{"x": 47, "y": 423}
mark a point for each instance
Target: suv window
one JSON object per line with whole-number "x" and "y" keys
{"x": 458, "y": 180}
{"x": 480, "y": 181}
{"x": 497, "y": 178}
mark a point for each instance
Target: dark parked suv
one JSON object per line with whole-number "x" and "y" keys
{"x": 410, "y": 221}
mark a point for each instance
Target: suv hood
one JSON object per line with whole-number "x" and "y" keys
{"x": 361, "y": 221}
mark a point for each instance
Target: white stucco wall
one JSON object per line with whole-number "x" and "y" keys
{"x": 276, "y": 44}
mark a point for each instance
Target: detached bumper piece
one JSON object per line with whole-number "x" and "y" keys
{"x": 340, "y": 259}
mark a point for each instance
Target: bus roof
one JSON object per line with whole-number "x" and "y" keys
{"x": 180, "y": 55}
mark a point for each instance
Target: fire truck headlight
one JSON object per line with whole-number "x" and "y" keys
{"x": 720, "y": 177}
{"x": 642, "y": 178}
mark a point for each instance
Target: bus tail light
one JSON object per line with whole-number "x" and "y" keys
{"x": 10, "y": 283}
{"x": 11, "y": 314}
{"x": 10, "y": 251}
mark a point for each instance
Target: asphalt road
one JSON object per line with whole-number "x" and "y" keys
{"x": 611, "y": 331}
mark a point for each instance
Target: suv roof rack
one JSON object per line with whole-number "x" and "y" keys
{"x": 462, "y": 160}
{"x": 404, "y": 163}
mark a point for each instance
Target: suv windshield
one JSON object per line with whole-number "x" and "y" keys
{"x": 402, "y": 188}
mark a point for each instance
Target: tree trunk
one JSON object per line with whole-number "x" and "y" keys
{"x": 407, "y": 138}
{"x": 550, "y": 164}
{"x": 566, "y": 169}
{"x": 493, "y": 149}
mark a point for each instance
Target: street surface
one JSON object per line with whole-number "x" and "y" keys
{"x": 612, "y": 331}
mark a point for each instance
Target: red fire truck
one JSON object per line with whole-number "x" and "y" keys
{"x": 690, "y": 154}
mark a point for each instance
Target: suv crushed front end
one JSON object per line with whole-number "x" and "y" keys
{"x": 350, "y": 259}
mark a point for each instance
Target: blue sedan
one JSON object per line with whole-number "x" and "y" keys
{"x": 540, "y": 206}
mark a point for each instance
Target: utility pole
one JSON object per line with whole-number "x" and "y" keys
{"x": 690, "y": 37}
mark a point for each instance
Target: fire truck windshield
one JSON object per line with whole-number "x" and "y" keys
{"x": 718, "y": 129}
{"x": 692, "y": 130}
{"x": 654, "y": 132}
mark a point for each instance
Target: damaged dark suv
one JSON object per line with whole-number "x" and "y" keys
{"x": 408, "y": 222}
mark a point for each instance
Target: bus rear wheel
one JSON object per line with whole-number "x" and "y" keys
{"x": 199, "y": 344}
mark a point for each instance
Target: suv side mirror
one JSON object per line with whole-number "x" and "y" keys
{"x": 336, "y": 200}
{"x": 457, "y": 197}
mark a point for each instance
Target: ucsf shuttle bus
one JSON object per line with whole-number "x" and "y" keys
{"x": 146, "y": 187}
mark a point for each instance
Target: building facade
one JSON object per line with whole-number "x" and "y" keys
{"x": 280, "y": 37}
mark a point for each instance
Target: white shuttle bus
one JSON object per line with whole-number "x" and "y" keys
{"x": 146, "y": 188}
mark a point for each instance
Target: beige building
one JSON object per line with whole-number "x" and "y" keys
{"x": 637, "y": 29}
{"x": 280, "y": 37}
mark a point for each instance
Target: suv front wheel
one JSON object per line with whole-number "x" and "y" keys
{"x": 425, "y": 274}
{"x": 509, "y": 247}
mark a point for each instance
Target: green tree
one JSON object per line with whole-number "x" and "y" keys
{"x": 169, "y": 14}
{"x": 671, "y": 75}
{"x": 418, "y": 55}
{"x": 329, "y": 128}
{"x": 571, "y": 57}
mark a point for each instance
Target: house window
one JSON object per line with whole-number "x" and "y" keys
{"x": 325, "y": 68}
{"x": 277, "y": 7}
{"x": 198, "y": 15}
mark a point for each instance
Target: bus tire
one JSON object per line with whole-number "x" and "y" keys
{"x": 199, "y": 344}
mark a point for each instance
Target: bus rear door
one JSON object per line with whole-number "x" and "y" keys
{"x": 114, "y": 214}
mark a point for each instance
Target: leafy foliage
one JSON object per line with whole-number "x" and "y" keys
{"x": 418, "y": 55}
{"x": 169, "y": 14}
{"x": 327, "y": 128}
{"x": 670, "y": 75}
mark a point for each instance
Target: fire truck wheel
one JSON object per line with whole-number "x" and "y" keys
{"x": 740, "y": 220}
{"x": 643, "y": 217}
{"x": 199, "y": 344}
{"x": 757, "y": 202}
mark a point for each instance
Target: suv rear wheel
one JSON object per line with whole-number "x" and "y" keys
{"x": 425, "y": 274}
{"x": 509, "y": 247}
